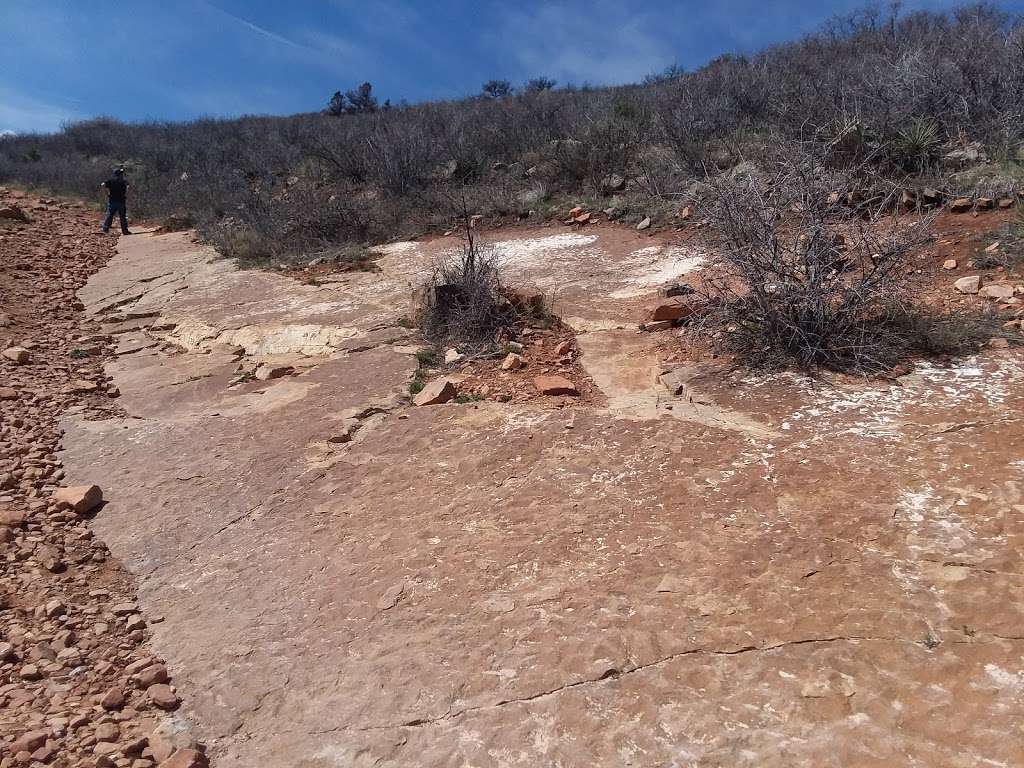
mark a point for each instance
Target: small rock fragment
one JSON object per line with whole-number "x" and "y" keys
{"x": 555, "y": 385}
{"x": 186, "y": 758}
{"x": 81, "y": 498}
{"x": 390, "y": 597}
{"x": 107, "y": 732}
{"x": 153, "y": 675}
{"x": 268, "y": 371}
{"x": 20, "y": 355}
{"x": 435, "y": 393}
{"x": 512, "y": 362}
{"x": 676, "y": 308}
{"x": 113, "y": 699}
{"x": 997, "y": 291}
{"x": 969, "y": 284}
{"x": 81, "y": 387}
{"x": 162, "y": 696}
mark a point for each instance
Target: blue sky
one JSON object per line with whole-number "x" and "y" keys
{"x": 177, "y": 59}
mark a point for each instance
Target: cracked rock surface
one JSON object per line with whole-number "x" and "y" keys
{"x": 779, "y": 573}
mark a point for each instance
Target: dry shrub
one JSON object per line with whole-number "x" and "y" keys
{"x": 464, "y": 302}
{"x": 804, "y": 278}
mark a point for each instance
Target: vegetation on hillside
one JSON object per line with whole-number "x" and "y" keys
{"x": 923, "y": 98}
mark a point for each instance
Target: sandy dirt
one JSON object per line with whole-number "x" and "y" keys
{"x": 756, "y": 571}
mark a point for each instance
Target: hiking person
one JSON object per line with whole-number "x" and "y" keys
{"x": 117, "y": 200}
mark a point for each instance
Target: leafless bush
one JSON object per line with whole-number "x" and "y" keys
{"x": 802, "y": 278}
{"x": 463, "y": 300}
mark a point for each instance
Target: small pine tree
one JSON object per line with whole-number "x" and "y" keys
{"x": 336, "y": 106}
{"x": 361, "y": 99}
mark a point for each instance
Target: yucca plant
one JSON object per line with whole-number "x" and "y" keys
{"x": 915, "y": 148}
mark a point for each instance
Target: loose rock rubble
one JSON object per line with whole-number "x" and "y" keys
{"x": 78, "y": 687}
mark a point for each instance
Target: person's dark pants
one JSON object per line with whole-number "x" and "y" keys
{"x": 121, "y": 209}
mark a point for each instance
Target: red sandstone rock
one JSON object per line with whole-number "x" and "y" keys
{"x": 554, "y": 385}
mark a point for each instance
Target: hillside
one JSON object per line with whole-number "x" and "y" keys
{"x": 925, "y": 99}
{"x": 671, "y": 424}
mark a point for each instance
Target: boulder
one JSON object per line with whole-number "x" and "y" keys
{"x": 81, "y": 498}
{"x": 984, "y": 203}
{"x": 645, "y": 224}
{"x": 949, "y": 264}
{"x": 563, "y": 349}
{"x": 931, "y": 196}
{"x": 20, "y": 355}
{"x": 555, "y": 385}
{"x": 1005, "y": 202}
{"x": 452, "y": 356}
{"x": 969, "y": 284}
{"x": 436, "y": 392}
{"x": 961, "y": 205}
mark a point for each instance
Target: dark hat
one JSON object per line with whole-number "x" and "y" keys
{"x": 119, "y": 171}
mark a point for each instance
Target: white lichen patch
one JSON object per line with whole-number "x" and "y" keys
{"x": 883, "y": 411}
{"x": 657, "y": 266}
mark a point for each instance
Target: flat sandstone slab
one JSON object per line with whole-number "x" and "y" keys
{"x": 483, "y": 585}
